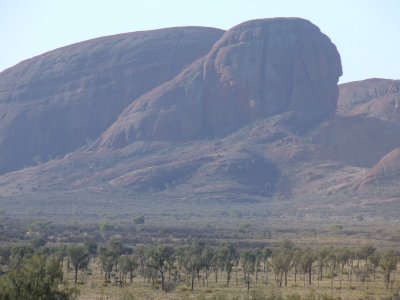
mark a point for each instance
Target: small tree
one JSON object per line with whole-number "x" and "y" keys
{"x": 321, "y": 257}
{"x": 258, "y": 255}
{"x": 105, "y": 227}
{"x": 217, "y": 263}
{"x": 91, "y": 246}
{"x": 306, "y": 260}
{"x": 365, "y": 252}
{"x": 107, "y": 260}
{"x": 332, "y": 259}
{"x": 248, "y": 259}
{"x": 343, "y": 256}
{"x": 128, "y": 265}
{"x": 116, "y": 249}
{"x": 266, "y": 253}
{"x": 388, "y": 263}
{"x": 208, "y": 257}
{"x": 79, "y": 258}
{"x": 281, "y": 261}
{"x": 157, "y": 259}
{"x": 374, "y": 262}
{"x": 229, "y": 256}
{"x": 192, "y": 261}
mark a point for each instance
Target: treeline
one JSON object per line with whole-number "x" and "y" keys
{"x": 185, "y": 264}
{"x": 35, "y": 271}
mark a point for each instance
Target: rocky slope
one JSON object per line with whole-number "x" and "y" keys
{"x": 386, "y": 170}
{"x": 247, "y": 115}
{"x": 61, "y": 100}
{"x": 373, "y": 98}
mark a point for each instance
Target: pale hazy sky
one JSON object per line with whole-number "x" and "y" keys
{"x": 366, "y": 32}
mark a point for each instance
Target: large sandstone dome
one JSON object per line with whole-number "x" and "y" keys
{"x": 250, "y": 115}
{"x": 64, "y": 99}
{"x": 257, "y": 69}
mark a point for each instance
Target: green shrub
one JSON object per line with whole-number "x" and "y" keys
{"x": 138, "y": 220}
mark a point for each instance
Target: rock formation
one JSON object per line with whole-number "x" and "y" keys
{"x": 367, "y": 124}
{"x": 61, "y": 100}
{"x": 196, "y": 114}
{"x": 257, "y": 69}
{"x": 372, "y": 98}
{"x": 386, "y": 170}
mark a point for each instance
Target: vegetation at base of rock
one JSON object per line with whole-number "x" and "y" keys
{"x": 42, "y": 273}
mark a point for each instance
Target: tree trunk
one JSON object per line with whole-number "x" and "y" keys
{"x": 237, "y": 279}
{"x": 285, "y": 278}
{"x": 387, "y": 280}
{"x": 320, "y": 271}
{"x": 228, "y": 278}
{"x": 76, "y": 275}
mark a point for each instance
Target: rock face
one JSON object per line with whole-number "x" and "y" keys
{"x": 367, "y": 124}
{"x": 373, "y": 98}
{"x": 386, "y": 170}
{"x": 257, "y": 69}
{"x": 195, "y": 113}
{"x": 356, "y": 141}
{"x": 183, "y": 111}
{"x": 56, "y": 102}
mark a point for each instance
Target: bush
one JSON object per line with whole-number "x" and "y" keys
{"x": 138, "y": 219}
{"x": 336, "y": 228}
{"x": 39, "y": 277}
{"x": 244, "y": 226}
{"x": 169, "y": 286}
